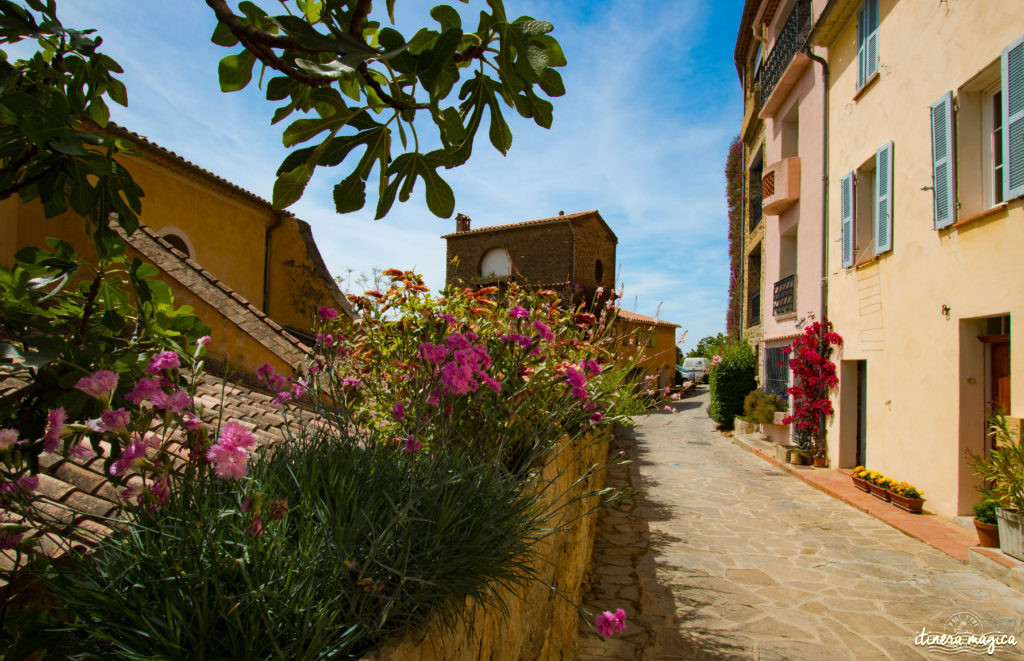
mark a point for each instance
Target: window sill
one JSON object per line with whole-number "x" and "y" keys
{"x": 979, "y": 216}
{"x": 867, "y": 260}
{"x": 784, "y": 317}
{"x": 867, "y": 83}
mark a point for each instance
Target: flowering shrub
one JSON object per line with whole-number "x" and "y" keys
{"x": 410, "y": 481}
{"x": 814, "y": 376}
{"x": 731, "y": 378}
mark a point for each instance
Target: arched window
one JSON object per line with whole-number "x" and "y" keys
{"x": 598, "y": 271}
{"x": 178, "y": 239}
{"x": 496, "y": 262}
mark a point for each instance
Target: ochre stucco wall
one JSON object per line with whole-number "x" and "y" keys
{"x": 926, "y": 380}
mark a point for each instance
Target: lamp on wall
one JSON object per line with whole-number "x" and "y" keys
{"x": 945, "y": 310}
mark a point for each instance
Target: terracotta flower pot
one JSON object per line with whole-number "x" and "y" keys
{"x": 912, "y": 505}
{"x": 879, "y": 492}
{"x": 819, "y": 462}
{"x": 988, "y": 534}
{"x": 860, "y": 484}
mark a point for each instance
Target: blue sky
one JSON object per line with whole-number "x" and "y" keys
{"x": 652, "y": 101}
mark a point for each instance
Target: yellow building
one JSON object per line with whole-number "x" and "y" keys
{"x": 654, "y": 340}
{"x": 925, "y": 272}
{"x": 252, "y": 273}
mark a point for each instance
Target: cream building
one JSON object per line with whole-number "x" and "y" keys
{"x": 925, "y": 249}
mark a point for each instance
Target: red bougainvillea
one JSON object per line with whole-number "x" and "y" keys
{"x": 814, "y": 375}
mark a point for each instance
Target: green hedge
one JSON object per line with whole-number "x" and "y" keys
{"x": 731, "y": 380}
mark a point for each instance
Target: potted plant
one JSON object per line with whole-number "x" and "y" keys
{"x": 878, "y": 484}
{"x": 906, "y": 496}
{"x": 1001, "y": 472}
{"x": 859, "y": 480}
{"x": 985, "y": 523}
{"x": 819, "y": 457}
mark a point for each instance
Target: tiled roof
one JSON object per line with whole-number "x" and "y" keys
{"x": 74, "y": 494}
{"x": 528, "y": 223}
{"x": 626, "y": 315}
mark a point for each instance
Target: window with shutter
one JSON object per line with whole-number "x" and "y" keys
{"x": 1012, "y": 119}
{"x": 883, "y": 199}
{"x": 867, "y": 42}
{"x": 846, "y": 202}
{"x": 943, "y": 172}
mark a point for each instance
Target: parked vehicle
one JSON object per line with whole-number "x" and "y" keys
{"x": 695, "y": 369}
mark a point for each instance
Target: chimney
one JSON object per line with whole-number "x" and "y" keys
{"x": 462, "y": 223}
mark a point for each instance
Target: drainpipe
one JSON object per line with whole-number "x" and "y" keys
{"x": 266, "y": 259}
{"x": 824, "y": 179}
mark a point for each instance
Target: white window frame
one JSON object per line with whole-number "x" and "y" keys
{"x": 992, "y": 144}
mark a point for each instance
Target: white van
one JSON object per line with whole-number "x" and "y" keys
{"x": 695, "y": 369}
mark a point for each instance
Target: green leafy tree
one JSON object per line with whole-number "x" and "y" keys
{"x": 709, "y": 346}
{"x": 730, "y": 382}
{"x": 358, "y": 85}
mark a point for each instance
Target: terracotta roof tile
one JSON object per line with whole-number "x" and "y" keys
{"x": 626, "y": 315}
{"x": 539, "y": 221}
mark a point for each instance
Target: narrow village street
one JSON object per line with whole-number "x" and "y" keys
{"x": 721, "y": 555}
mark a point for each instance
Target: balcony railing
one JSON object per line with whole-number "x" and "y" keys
{"x": 784, "y": 300}
{"x": 754, "y": 308}
{"x": 756, "y": 199}
{"x": 791, "y": 39}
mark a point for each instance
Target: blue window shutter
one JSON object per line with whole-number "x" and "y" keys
{"x": 943, "y": 167}
{"x": 883, "y": 199}
{"x": 871, "y": 47}
{"x": 1013, "y": 119}
{"x": 861, "y": 49}
{"x": 846, "y": 201}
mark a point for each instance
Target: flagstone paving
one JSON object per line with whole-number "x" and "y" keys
{"x": 721, "y": 555}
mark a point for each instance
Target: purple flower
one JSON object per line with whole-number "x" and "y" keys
{"x": 543, "y": 330}
{"x": 54, "y": 429}
{"x": 349, "y": 382}
{"x": 132, "y": 456}
{"x": 204, "y": 341}
{"x": 8, "y": 438}
{"x": 411, "y": 444}
{"x": 144, "y": 390}
{"x": 100, "y": 384}
{"x": 398, "y": 410}
{"x": 457, "y": 341}
{"x": 191, "y": 421}
{"x": 577, "y": 383}
{"x": 229, "y": 461}
{"x": 256, "y": 527}
{"x": 608, "y": 624}
{"x": 114, "y": 421}
{"x": 458, "y": 378}
{"x": 489, "y": 382}
{"x": 80, "y": 451}
{"x": 325, "y": 312}
{"x": 590, "y": 366}
{"x": 165, "y": 360}
{"x": 238, "y": 435}
{"x": 518, "y": 312}
{"x": 266, "y": 373}
{"x": 298, "y": 390}
{"x": 28, "y": 482}
{"x": 596, "y": 417}
{"x": 172, "y": 403}
{"x": 521, "y": 340}
{"x": 450, "y": 320}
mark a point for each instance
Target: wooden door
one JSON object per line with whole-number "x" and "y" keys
{"x": 999, "y": 369}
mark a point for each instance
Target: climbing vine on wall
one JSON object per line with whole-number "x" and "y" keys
{"x": 814, "y": 376}
{"x": 734, "y": 199}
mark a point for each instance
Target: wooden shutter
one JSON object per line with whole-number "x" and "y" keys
{"x": 871, "y": 47}
{"x": 846, "y": 201}
{"x": 883, "y": 199}
{"x": 943, "y": 166}
{"x": 1013, "y": 119}
{"x": 861, "y": 50}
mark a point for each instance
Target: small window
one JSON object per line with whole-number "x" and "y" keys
{"x": 598, "y": 271}
{"x": 178, "y": 240}
{"x": 867, "y": 42}
{"x": 496, "y": 262}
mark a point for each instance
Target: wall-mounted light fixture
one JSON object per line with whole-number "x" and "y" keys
{"x": 945, "y": 310}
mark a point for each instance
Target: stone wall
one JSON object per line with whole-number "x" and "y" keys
{"x": 540, "y": 623}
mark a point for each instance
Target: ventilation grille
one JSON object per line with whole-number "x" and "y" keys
{"x": 768, "y": 184}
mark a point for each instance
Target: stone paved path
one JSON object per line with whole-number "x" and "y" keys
{"x": 723, "y": 556}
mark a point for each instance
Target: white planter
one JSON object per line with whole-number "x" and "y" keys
{"x": 1011, "y": 532}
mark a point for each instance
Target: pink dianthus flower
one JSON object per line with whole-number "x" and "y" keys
{"x": 398, "y": 410}
{"x": 114, "y": 421}
{"x": 100, "y": 384}
{"x": 132, "y": 456}
{"x": 172, "y": 403}
{"x": 518, "y": 312}
{"x": 144, "y": 390}
{"x": 325, "y": 312}
{"x": 608, "y": 624}
{"x": 165, "y": 360}
{"x": 543, "y": 330}
{"x": 54, "y": 429}
{"x": 411, "y": 444}
{"x": 8, "y": 438}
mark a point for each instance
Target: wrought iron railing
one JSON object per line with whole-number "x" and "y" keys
{"x": 791, "y": 39}
{"x": 756, "y": 199}
{"x": 754, "y": 308}
{"x": 784, "y": 300}
{"x": 776, "y": 370}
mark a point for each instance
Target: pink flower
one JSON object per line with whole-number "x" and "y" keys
{"x": 144, "y": 390}
{"x": 298, "y": 390}
{"x": 518, "y": 312}
{"x": 591, "y": 367}
{"x": 716, "y": 360}
{"x": 176, "y": 402}
{"x": 8, "y": 438}
{"x": 132, "y": 456}
{"x": 204, "y": 341}
{"x": 114, "y": 421}
{"x": 161, "y": 490}
{"x": 398, "y": 410}
{"x": 543, "y": 330}
{"x": 238, "y": 435}
{"x": 489, "y": 382}
{"x": 266, "y": 373}
{"x": 256, "y": 527}
{"x": 28, "y": 482}
{"x": 432, "y": 353}
{"x": 349, "y": 382}
{"x": 576, "y": 382}
{"x": 229, "y": 461}
{"x": 191, "y": 421}
{"x": 448, "y": 319}
{"x": 165, "y": 360}
{"x": 100, "y": 384}
{"x": 608, "y": 624}
{"x": 411, "y": 444}
{"x": 521, "y": 340}
{"x": 596, "y": 417}
{"x": 80, "y": 451}
{"x": 54, "y": 429}
{"x": 325, "y": 312}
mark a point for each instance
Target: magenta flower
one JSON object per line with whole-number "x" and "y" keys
{"x": 172, "y": 403}
{"x": 608, "y": 624}
{"x": 457, "y": 341}
{"x": 398, "y": 410}
{"x": 236, "y": 434}
{"x": 165, "y": 360}
{"x": 543, "y": 330}
{"x": 229, "y": 461}
{"x": 114, "y": 421}
{"x": 596, "y": 417}
{"x": 132, "y": 456}
{"x": 274, "y": 380}
{"x": 489, "y": 382}
{"x": 458, "y": 378}
{"x": 204, "y": 341}
{"x": 325, "y": 312}
{"x": 432, "y": 353}
{"x": 190, "y": 421}
{"x": 576, "y": 382}
{"x": 161, "y": 490}
{"x": 144, "y": 390}
{"x": 54, "y": 429}
{"x": 298, "y": 390}
{"x": 349, "y": 382}
{"x": 518, "y": 312}
{"x": 256, "y": 527}
{"x": 28, "y": 482}
{"x": 8, "y": 438}
{"x": 591, "y": 367}
{"x": 516, "y": 338}
{"x": 80, "y": 451}
{"x": 450, "y": 320}
{"x": 100, "y": 384}
{"x": 411, "y": 444}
